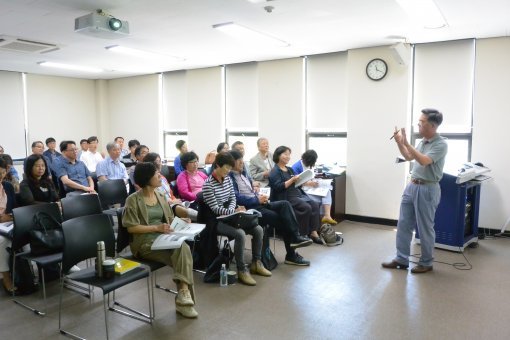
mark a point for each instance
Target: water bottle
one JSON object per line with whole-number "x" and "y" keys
{"x": 223, "y": 276}
{"x": 101, "y": 256}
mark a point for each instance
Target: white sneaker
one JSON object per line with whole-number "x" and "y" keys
{"x": 186, "y": 311}
{"x": 183, "y": 298}
{"x": 74, "y": 269}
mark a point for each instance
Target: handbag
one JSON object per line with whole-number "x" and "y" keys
{"x": 46, "y": 237}
{"x": 268, "y": 259}
{"x": 243, "y": 220}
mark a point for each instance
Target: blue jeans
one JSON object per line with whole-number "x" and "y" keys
{"x": 418, "y": 210}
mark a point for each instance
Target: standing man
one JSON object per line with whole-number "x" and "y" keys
{"x": 423, "y": 193}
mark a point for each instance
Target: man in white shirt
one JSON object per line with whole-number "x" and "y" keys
{"x": 91, "y": 157}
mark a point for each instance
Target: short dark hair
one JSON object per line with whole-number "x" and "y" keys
{"x": 50, "y": 140}
{"x": 29, "y": 164}
{"x": 139, "y": 148}
{"x": 36, "y": 142}
{"x": 223, "y": 158}
{"x": 309, "y": 157}
{"x": 151, "y": 157}
{"x": 133, "y": 142}
{"x": 279, "y": 150}
{"x": 188, "y": 157}
{"x": 118, "y": 138}
{"x": 180, "y": 143}
{"x": 236, "y": 154}
{"x": 143, "y": 173}
{"x": 92, "y": 139}
{"x": 236, "y": 143}
{"x": 433, "y": 116}
{"x": 3, "y": 163}
{"x": 220, "y": 146}
{"x": 81, "y": 142}
{"x": 7, "y": 158}
{"x": 64, "y": 144}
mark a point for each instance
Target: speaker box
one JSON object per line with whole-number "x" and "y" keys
{"x": 401, "y": 53}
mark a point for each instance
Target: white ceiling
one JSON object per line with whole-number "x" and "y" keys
{"x": 183, "y": 28}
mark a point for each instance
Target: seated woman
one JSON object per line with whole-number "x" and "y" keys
{"x": 7, "y": 203}
{"x": 282, "y": 182}
{"x": 12, "y": 175}
{"x": 37, "y": 187}
{"x": 166, "y": 190}
{"x": 191, "y": 180}
{"x": 308, "y": 160}
{"x": 146, "y": 215}
{"x": 220, "y": 198}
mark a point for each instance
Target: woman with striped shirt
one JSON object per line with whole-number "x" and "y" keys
{"x": 219, "y": 195}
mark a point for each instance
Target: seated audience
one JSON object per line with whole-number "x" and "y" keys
{"x": 120, "y": 142}
{"x": 282, "y": 182}
{"x": 308, "y": 160}
{"x": 140, "y": 152}
{"x": 129, "y": 160}
{"x": 73, "y": 173}
{"x": 222, "y": 147}
{"x": 278, "y": 215}
{"x": 51, "y": 154}
{"x": 262, "y": 163}
{"x": 92, "y": 157}
{"x": 191, "y": 180}
{"x": 166, "y": 190}
{"x": 7, "y": 203}
{"x": 37, "y": 187}
{"x": 146, "y": 216}
{"x": 38, "y": 149}
{"x": 182, "y": 146}
{"x": 111, "y": 167}
{"x": 239, "y": 146}
{"x": 11, "y": 176}
{"x": 84, "y": 147}
{"x": 220, "y": 198}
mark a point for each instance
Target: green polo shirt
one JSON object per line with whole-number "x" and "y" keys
{"x": 436, "y": 148}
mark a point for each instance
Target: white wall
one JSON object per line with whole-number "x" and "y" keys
{"x": 59, "y": 107}
{"x": 374, "y": 181}
{"x": 281, "y": 104}
{"x": 134, "y": 110}
{"x": 491, "y": 144}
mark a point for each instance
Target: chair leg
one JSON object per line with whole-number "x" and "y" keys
{"x": 60, "y": 329}
{"x": 130, "y": 312}
{"x": 106, "y": 314}
{"x": 168, "y": 290}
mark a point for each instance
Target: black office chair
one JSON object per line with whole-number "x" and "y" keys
{"x": 80, "y": 205}
{"x": 23, "y": 223}
{"x": 123, "y": 240}
{"x": 80, "y": 243}
{"x": 112, "y": 191}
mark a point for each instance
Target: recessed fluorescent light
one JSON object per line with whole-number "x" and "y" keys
{"x": 140, "y": 53}
{"x": 71, "y": 67}
{"x": 248, "y": 35}
{"x": 425, "y": 12}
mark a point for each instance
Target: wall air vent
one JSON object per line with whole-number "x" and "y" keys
{"x": 13, "y": 44}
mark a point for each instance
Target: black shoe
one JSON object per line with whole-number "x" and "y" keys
{"x": 296, "y": 260}
{"x": 394, "y": 265}
{"x": 300, "y": 241}
{"x": 317, "y": 240}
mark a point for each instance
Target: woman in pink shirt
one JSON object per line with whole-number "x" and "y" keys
{"x": 191, "y": 180}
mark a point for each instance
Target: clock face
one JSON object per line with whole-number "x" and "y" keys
{"x": 377, "y": 69}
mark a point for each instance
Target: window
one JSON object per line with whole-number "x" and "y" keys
{"x": 330, "y": 147}
{"x": 443, "y": 79}
{"x": 170, "y": 138}
{"x": 249, "y": 140}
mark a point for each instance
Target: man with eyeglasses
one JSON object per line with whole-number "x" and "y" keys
{"x": 72, "y": 172}
{"x": 422, "y": 194}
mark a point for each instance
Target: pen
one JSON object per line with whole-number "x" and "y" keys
{"x": 392, "y": 137}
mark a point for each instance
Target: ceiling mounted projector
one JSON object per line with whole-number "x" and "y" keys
{"x": 101, "y": 25}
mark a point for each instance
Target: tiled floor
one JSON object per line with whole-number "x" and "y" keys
{"x": 345, "y": 294}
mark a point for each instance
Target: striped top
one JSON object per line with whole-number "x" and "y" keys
{"x": 216, "y": 194}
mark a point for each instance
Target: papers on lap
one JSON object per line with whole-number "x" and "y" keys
{"x": 182, "y": 231}
{"x": 321, "y": 190}
{"x": 304, "y": 177}
{"x": 6, "y": 229}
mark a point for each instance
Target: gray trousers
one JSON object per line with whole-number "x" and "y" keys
{"x": 239, "y": 236}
